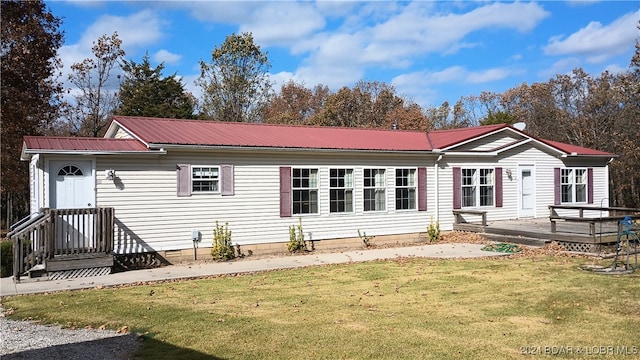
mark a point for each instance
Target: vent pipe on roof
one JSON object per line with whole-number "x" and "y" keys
{"x": 394, "y": 126}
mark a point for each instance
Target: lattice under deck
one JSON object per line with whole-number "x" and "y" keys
{"x": 79, "y": 273}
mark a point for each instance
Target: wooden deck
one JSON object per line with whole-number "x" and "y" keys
{"x": 63, "y": 240}
{"x": 575, "y": 236}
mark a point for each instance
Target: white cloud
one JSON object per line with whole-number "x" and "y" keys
{"x": 136, "y": 31}
{"x": 429, "y": 32}
{"x": 419, "y": 85}
{"x": 392, "y": 35}
{"x": 410, "y": 32}
{"x": 226, "y": 12}
{"x": 563, "y": 66}
{"x": 489, "y": 75}
{"x": 453, "y": 74}
{"x": 616, "y": 69}
{"x": 164, "y": 56}
{"x": 596, "y": 41}
{"x": 283, "y": 22}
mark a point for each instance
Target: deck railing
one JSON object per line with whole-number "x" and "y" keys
{"x": 590, "y": 215}
{"x": 60, "y": 233}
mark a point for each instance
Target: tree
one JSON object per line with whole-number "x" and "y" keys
{"x": 295, "y": 104}
{"x": 145, "y": 92}
{"x": 409, "y": 116}
{"x": 30, "y": 92}
{"x": 372, "y": 105}
{"x": 597, "y": 112}
{"x": 95, "y": 95}
{"x": 235, "y": 83}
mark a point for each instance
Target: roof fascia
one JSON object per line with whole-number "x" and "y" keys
{"x": 476, "y": 138}
{"x": 286, "y": 149}
{"x": 552, "y": 148}
{"x": 471, "y": 153}
{"x": 113, "y": 129}
{"x": 494, "y": 152}
{"x": 579, "y": 156}
{"x": 27, "y": 152}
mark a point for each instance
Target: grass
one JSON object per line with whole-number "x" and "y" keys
{"x": 407, "y": 308}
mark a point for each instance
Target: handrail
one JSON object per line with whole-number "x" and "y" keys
{"x": 61, "y": 233}
{"x": 590, "y": 208}
{"x": 24, "y": 222}
{"x": 582, "y": 209}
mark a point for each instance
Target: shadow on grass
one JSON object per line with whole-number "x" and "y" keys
{"x": 117, "y": 347}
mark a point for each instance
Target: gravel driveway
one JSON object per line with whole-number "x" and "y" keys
{"x": 28, "y": 340}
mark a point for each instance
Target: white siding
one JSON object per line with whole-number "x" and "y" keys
{"x": 151, "y": 217}
{"x": 122, "y": 134}
{"x": 490, "y": 142}
{"x": 527, "y": 154}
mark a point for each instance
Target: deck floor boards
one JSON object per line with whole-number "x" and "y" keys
{"x": 540, "y": 228}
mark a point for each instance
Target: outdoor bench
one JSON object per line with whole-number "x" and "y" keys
{"x": 460, "y": 218}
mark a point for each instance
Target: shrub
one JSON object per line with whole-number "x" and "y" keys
{"x": 366, "y": 240}
{"x": 222, "y": 249}
{"x": 296, "y": 238}
{"x": 433, "y": 231}
{"x": 6, "y": 258}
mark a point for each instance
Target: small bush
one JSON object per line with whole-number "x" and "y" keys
{"x": 366, "y": 240}
{"x": 296, "y": 238}
{"x": 222, "y": 249}
{"x": 6, "y": 258}
{"x": 433, "y": 231}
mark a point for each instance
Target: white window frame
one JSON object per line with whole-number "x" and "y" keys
{"x": 214, "y": 179}
{"x": 411, "y": 186}
{"x": 347, "y": 190}
{"x": 571, "y": 180}
{"x": 311, "y": 189}
{"x": 378, "y": 189}
{"x": 473, "y": 180}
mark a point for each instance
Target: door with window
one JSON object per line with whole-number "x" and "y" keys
{"x": 526, "y": 191}
{"x": 71, "y": 185}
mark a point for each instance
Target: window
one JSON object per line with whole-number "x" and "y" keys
{"x": 70, "y": 170}
{"x": 374, "y": 190}
{"x": 477, "y": 187}
{"x": 305, "y": 191}
{"x": 405, "y": 189}
{"x": 468, "y": 187}
{"x": 205, "y": 178}
{"x": 574, "y": 185}
{"x": 486, "y": 187}
{"x": 340, "y": 190}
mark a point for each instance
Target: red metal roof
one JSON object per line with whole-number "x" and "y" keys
{"x": 442, "y": 139}
{"x": 214, "y": 133}
{"x": 82, "y": 144}
{"x": 164, "y": 132}
{"x": 578, "y": 150}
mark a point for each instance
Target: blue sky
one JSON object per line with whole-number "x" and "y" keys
{"x": 430, "y": 51}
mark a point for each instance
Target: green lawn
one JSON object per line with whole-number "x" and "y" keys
{"x": 408, "y": 308}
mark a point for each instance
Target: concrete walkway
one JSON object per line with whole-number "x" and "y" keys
{"x": 201, "y": 269}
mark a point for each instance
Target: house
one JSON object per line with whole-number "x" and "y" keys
{"x": 169, "y": 181}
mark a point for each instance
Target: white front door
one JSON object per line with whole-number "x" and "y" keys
{"x": 526, "y": 191}
{"x": 72, "y": 187}
{"x": 72, "y": 184}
